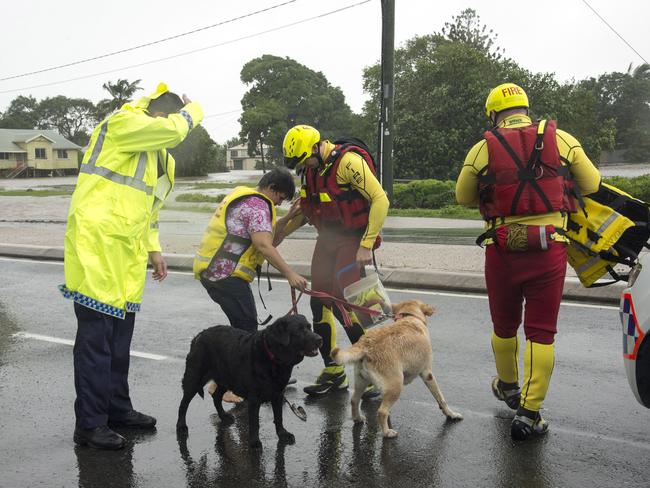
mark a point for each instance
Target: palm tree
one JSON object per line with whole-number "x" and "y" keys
{"x": 121, "y": 92}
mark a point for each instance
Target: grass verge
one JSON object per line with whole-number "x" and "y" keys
{"x": 34, "y": 193}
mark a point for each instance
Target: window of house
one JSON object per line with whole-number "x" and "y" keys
{"x": 40, "y": 153}
{"x": 4, "y": 155}
{"x": 62, "y": 154}
{"x": 233, "y": 153}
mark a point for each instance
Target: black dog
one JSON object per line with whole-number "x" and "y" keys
{"x": 256, "y": 366}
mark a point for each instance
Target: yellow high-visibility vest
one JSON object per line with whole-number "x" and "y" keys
{"x": 606, "y": 233}
{"x": 216, "y": 233}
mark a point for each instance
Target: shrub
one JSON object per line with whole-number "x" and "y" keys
{"x": 638, "y": 187}
{"x": 424, "y": 194}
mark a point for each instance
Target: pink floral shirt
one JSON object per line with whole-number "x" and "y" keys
{"x": 246, "y": 216}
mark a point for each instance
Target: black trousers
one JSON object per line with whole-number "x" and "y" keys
{"x": 101, "y": 366}
{"x": 235, "y": 297}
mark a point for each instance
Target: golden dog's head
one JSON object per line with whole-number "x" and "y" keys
{"x": 413, "y": 308}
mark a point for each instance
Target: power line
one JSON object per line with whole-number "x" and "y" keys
{"x": 186, "y": 53}
{"x": 140, "y": 46}
{"x": 239, "y": 110}
{"x": 614, "y": 31}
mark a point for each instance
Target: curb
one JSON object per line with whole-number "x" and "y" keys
{"x": 392, "y": 277}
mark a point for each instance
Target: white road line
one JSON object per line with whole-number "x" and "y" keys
{"x": 68, "y": 342}
{"x": 397, "y": 290}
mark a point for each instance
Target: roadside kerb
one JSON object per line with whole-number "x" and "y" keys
{"x": 391, "y": 277}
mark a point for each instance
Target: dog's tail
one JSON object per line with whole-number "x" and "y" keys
{"x": 352, "y": 354}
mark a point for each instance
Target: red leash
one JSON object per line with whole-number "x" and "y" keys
{"x": 341, "y": 304}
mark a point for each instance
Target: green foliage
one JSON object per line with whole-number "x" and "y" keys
{"x": 196, "y": 155}
{"x": 575, "y": 107}
{"x": 73, "y": 118}
{"x": 282, "y": 93}
{"x": 440, "y": 88}
{"x": 199, "y": 197}
{"x": 447, "y": 212}
{"x": 121, "y": 92}
{"x": 424, "y": 194}
{"x": 22, "y": 113}
{"x": 442, "y": 81}
{"x": 638, "y": 187}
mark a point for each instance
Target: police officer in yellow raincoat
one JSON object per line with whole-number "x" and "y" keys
{"x": 124, "y": 178}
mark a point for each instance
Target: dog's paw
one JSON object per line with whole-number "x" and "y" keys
{"x": 360, "y": 419}
{"x": 390, "y": 434}
{"x": 286, "y": 437}
{"x": 451, "y": 415}
{"x": 255, "y": 444}
{"x": 227, "y": 419}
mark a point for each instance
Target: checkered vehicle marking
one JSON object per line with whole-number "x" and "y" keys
{"x": 632, "y": 334}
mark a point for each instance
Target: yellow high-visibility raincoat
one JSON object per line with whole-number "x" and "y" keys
{"x": 124, "y": 178}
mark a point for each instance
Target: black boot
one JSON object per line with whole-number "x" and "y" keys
{"x": 99, "y": 438}
{"x": 134, "y": 420}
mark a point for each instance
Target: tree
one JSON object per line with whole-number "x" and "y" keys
{"x": 73, "y": 118}
{"x": 282, "y": 93}
{"x": 466, "y": 29}
{"x": 441, "y": 83}
{"x": 626, "y": 98}
{"x": 196, "y": 155}
{"x": 121, "y": 92}
{"x": 22, "y": 113}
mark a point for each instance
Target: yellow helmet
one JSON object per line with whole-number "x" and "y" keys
{"x": 298, "y": 144}
{"x": 505, "y": 96}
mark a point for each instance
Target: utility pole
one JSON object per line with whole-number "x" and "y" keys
{"x": 387, "y": 96}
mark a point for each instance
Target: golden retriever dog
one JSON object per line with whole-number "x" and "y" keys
{"x": 390, "y": 357}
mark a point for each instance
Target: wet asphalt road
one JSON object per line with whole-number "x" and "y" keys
{"x": 599, "y": 435}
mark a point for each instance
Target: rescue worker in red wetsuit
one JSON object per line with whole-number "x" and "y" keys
{"x": 344, "y": 200}
{"x": 525, "y": 178}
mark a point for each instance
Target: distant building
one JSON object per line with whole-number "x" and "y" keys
{"x": 237, "y": 158}
{"x": 27, "y": 152}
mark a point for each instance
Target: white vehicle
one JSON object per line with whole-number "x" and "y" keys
{"x": 635, "y": 319}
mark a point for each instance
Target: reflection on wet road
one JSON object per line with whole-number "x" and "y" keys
{"x": 599, "y": 434}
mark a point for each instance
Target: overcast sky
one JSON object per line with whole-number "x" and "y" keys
{"x": 560, "y": 36}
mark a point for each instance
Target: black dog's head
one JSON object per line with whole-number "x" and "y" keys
{"x": 290, "y": 338}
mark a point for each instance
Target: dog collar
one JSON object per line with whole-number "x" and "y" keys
{"x": 404, "y": 314}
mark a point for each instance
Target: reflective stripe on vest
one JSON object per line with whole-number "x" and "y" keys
{"x": 239, "y": 267}
{"x": 603, "y": 227}
{"x": 136, "y": 182}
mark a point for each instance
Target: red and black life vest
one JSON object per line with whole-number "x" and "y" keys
{"x": 326, "y": 203}
{"x": 525, "y": 174}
